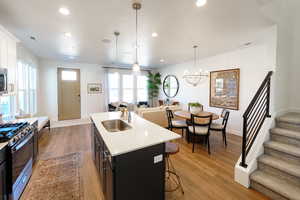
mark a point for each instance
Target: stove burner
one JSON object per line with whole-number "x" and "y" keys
{"x": 9, "y": 130}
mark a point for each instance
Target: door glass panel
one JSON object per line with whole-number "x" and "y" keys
{"x": 68, "y": 75}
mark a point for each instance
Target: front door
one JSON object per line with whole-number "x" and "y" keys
{"x": 68, "y": 81}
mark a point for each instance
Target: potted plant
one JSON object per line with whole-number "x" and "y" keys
{"x": 195, "y": 107}
{"x": 154, "y": 82}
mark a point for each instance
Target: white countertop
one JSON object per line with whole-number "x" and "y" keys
{"x": 142, "y": 134}
{"x": 29, "y": 120}
{"x": 2, "y": 145}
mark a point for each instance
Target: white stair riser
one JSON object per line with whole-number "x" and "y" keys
{"x": 282, "y": 155}
{"x": 279, "y": 173}
{"x": 285, "y": 139}
{"x": 266, "y": 191}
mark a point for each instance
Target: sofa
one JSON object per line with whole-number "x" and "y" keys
{"x": 157, "y": 115}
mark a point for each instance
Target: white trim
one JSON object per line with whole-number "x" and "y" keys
{"x": 66, "y": 123}
{"x": 234, "y": 132}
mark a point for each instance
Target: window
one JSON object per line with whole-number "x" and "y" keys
{"x": 5, "y": 105}
{"x": 124, "y": 86}
{"x": 27, "y": 81}
{"x": 68, "y": 75}
{"x": 113, "y": 83}
{"x": 142, "y": 91}
{"x": 127, "y": 83}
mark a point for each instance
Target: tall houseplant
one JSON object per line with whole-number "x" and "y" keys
{"x": 154, "y": 83}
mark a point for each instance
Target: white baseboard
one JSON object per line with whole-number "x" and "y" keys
{"x": 235, "y": 132}
{"x": 66, "y": 123}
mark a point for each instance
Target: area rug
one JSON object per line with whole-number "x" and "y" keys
{"x": 56, "y": 179}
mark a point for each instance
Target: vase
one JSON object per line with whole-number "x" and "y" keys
{"x": 195, "y": 110}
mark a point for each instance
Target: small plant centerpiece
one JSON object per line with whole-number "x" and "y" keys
{"x": 195, "y": 107}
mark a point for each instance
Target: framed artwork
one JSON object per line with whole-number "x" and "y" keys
{"x": 224, "y": 89}
{"x": 94, "y": 88}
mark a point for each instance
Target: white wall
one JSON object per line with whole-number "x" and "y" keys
{"x": 254, "y": 62}
{"x": 294, "y": 77}
{"x": 90, "y": 73}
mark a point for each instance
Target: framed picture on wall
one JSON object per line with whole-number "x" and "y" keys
{"x": 94, "y": 88}
{"x": 224, "y": 89}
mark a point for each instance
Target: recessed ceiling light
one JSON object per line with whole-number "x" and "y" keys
{"x": 154, "y": 34}
{"x": 64, "y": 11}
{"x": 162, "y": 60}
{"x": 200, "y": 3}
{"x": 68, "y": 34}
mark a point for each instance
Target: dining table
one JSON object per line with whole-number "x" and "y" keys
{"x": 184, "y": 114}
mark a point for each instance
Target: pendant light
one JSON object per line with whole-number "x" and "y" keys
{"x": 194, "y": 78}
{"x": 136, "y": 6}
{"x": 117, "y": 34}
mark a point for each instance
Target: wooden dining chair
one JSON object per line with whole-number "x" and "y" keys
{"x": 222, "y": 127}
{"x": 200, "y": 128}
{"x": 175, "y": 124}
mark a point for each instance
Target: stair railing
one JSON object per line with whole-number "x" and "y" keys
{"x": 255, "y": 116}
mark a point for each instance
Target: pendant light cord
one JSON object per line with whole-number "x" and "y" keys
{"x": 116, "y": 48}
{"x": 195, "y": 56}
{"x": 136, "y": 36}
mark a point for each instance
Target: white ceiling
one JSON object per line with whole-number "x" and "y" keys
{"x": 219, "y": 26}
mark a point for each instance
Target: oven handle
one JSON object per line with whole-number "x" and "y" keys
{"x": 20, "y": 145}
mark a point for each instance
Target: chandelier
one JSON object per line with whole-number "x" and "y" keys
{"x": 194, "y": 78}
{"x": 136, "y": 6}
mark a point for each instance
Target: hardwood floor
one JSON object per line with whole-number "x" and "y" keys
{"x": 203, "y": 176}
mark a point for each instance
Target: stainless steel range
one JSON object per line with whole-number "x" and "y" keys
{"x": 20, "y": 155}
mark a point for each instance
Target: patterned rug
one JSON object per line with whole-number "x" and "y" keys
{"x": 56, "y": 179}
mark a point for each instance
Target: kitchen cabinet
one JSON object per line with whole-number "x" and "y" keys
{"x": 3, "y": 180}
{"x": 35, "y": 141}
{"x": 3, "y": 186}
{"x": 8, "y": 54}
{"x": 93, "y": 142}
{"x": 99, "y": 157}
{"x": 3, "y": 175}
{"x": 108, "y": 181}
{"x": 129, "y": 175}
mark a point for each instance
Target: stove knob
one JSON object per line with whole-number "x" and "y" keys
{"x": 14, "y": 140}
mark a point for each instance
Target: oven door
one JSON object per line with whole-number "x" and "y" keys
{"x": 22, "y": 154}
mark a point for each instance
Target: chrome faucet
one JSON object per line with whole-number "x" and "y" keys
{"x": 129, "y": 116}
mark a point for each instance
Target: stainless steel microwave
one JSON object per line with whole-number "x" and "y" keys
{"x": 3, "y": 81}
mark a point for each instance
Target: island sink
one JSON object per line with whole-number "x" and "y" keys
{"x": 115, "y": 125}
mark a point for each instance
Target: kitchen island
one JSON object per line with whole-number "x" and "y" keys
{"x": 131, "y": 162}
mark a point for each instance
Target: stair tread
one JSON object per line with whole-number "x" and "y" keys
{"x": 292, "y": 118}
{"x": 282, "y": 147}
{"x": 286, "y": 132}
{"x": 280, "y": 164}
{"x": 278, "y": 185}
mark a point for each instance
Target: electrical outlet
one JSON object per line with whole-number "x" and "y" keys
{"x": 158, "y": 158}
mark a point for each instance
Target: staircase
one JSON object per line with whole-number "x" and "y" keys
{"x": 278, "y": 173}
